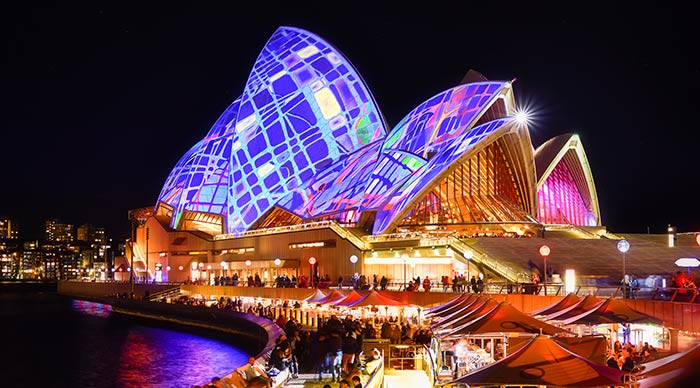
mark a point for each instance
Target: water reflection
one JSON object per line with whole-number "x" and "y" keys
{"x": 152, "y": 357}
{"x": 84, "y": 344}
{"x": 92, "y": 308}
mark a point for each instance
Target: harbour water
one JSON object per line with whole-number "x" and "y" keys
{"x": 53, "y": 341}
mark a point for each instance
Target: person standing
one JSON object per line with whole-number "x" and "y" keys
{"x": 350, "y": 348}
{"x": 356, "y": 382}
{"x": 426, "y": 284}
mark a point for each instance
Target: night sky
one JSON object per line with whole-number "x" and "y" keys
{"x": 101, "y": 100}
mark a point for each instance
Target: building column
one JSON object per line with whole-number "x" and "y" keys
{"x": 673, "y": 340}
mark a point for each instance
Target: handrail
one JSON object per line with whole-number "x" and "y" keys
{"x": 343, "y": 233}
{"x": 431, "y": 366}
{"x": 481, "y": 257}
{"x": 333, "y": 225}
{"x": 376, "y": 380}
{"x": 164, "y": 293}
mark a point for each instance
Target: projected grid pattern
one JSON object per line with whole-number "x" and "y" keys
{"x": 303, "y": 109}
{"x": 425, "y": 177}
{"x": 307, "y": 138}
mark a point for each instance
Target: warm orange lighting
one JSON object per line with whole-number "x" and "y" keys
{"x": 544, "y": 250}
{"x": 312, "y": 260}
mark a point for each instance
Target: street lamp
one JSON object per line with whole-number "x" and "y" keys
{"x": 353, "y": 260}
{"x": 312, "y": 261}
{"x": 544, "y": 252}
{"x": 468, "y": 255}
{"x": 277, "y": 267}
{"x": 623, "y": 246}
{"x": 404, "y": 258}
{"x": 248, "y": 263}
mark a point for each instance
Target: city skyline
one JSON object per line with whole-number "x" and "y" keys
{"x": 110, "y": 99}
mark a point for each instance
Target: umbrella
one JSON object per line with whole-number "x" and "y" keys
{"x": 564, "y": 303}
{"x": 333, "y": 297}
{"x": 676, "y": 370}
{"x": 351, "y": 297}
{"x": 374, "y": 298}
{"x": 611, "y": 311}
{"x": 465, "y": 306}
{"x": 543, "y": 362}
{"x": 505, "y": 318}
{"x": 452, "y": 302}
{"x": 316, "y": 297}
{"x": 589, "y": 303}
{"x": 477, "y": 309}
{"x": 457, "y": 307}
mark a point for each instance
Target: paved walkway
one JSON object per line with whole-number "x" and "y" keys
{"x": 392, "y": 379}
{"x": 405, "y": 378}
{"x": 310, "y": 380}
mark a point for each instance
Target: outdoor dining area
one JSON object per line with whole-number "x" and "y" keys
{"x": 479, "y": 340}
{"x": 569, "y": 343}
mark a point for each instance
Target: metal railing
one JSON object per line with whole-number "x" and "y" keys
{"x": 481, "y": 257}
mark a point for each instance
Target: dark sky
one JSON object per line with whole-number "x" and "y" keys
{"x": 101, "y": 100}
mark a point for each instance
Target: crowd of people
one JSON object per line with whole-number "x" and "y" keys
{"x": 629, "y": 357}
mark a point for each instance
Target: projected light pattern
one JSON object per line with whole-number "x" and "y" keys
{"x": 424, "y": 179}
{"x": 560, "y": 201}
{"x": 341, "y": 186}
{"x": 393, "y": 168}
{"x": 425, "y": 131}
{"x": 306, "y": 141}
{"x": 304, "y": 108}
{"x": 200, "y": 180}
{"x": 441, "y": 118}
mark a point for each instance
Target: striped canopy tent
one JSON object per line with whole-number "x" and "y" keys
{"x": 447, "y": 305}
{"x": 334, "y": 296}
{"x": 587, "y": 304}
{"x": 467, "y": 306}
{"x": 316, "y": 296}
{"x": 612, "y": 311}
{"x": 468, "y": 314}
{"x": 543, "y": 362}
{"x": 677, "y": 370}
{"x": 351, "y": 297}
{"x": 563, "y": 304}
{"x": 463, "y": 302}
{"x": 376, "y": 298}
{"x": 505, "y": 318}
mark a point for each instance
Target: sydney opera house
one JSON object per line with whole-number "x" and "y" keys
{"x": 302, "y": 174}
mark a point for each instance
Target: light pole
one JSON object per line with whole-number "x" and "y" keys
{"x": 404, "y": 258}
{"x": 277, "y": 269}
{"x": 312, "y": 261}
{"x": 623, "y": 246}
{"x": 544, "y": 251}
{"x": 353, "y": 260}
{"x": 147, "y": 237}
{"x": 468, "y": 255}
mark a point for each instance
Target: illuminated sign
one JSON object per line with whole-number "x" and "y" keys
{"x": 313, "y": 244}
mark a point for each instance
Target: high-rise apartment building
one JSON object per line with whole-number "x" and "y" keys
{"x": 58, "y": 232}
{"x": 8, "y": 228}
